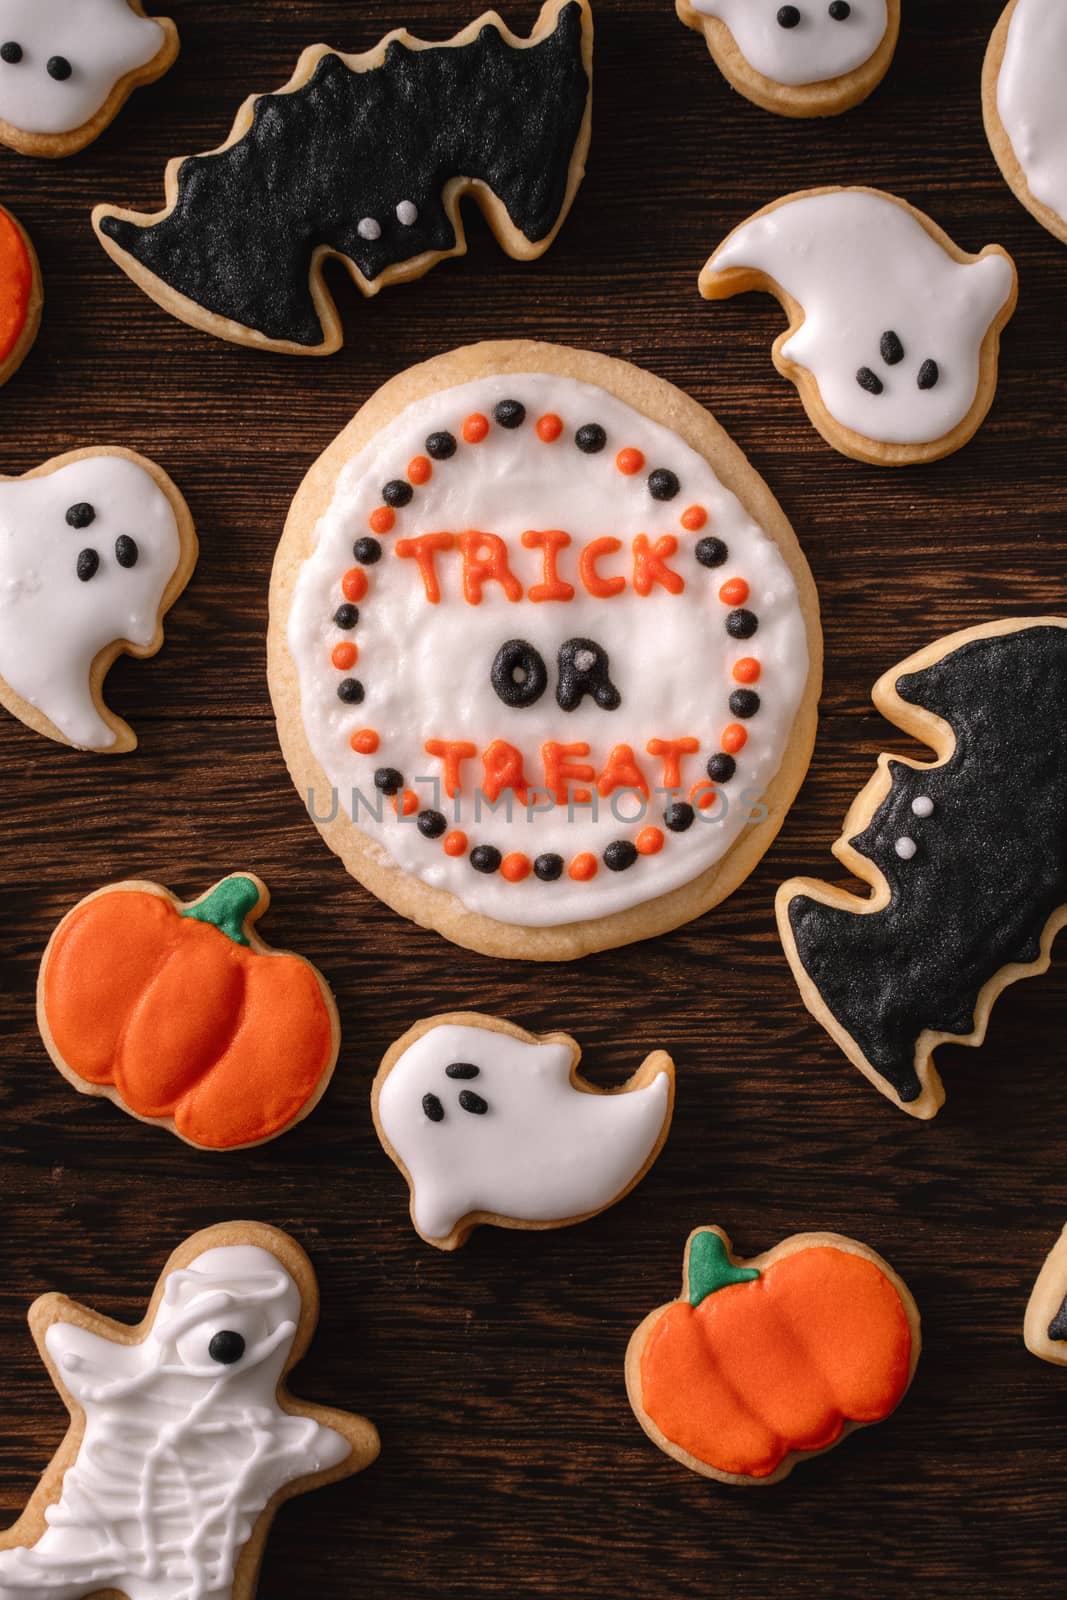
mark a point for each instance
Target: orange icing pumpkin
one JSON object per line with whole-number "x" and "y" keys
{"x": 16, "y": 285}
{"x": 752, "y": 1366}
{"x": 185, "y": 1015}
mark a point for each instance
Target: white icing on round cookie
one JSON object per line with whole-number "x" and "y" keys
{"x": 893, "y": 325}
{"x": 53, "y": 623}
{"x": 1031, "y": 101}
{"x": 823, "y": 43}
{"x": 182, "y": 1449}
{"x": 100, "y": 41}
{"x": 540, "y": 1150}
{"x": 425, "y": 670}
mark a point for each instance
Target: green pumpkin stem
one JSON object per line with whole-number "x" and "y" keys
{"x": 710, "y": 1267}
{"x": 227, "y": 907}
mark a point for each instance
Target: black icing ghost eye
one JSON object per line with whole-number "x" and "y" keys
{"x": 891, "y": 348}
{"x": 788, "y": 16}
{"x": 226, "y": 1347}
{"x": 462, "y": 1069}
{"x": 11, "y": 53}
{"x": 433, "y": 1108}
{"x": 840, "y": 10}
{"x": 88, "y": 565}
{"x": 929, "y": 373}
{"x": 126, "y": 551}
{"x": 473, "y": 1103}
{"x": 869, "y": 380}
{"x": 59, "y": 67}
{"x": 81, "y": 515}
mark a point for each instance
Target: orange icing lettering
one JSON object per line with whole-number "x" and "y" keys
{"x": 503, "y": 769}
{"x": 621, "y": 772}
{"x": 560, "y": 770}
{"x": 670, "y": 752}
{"x": 551, "y": 542}
{"x": 600, "y": 588}
{"x": 453, "y": 752}
{"x": 485, "y": 558}
{"x": 423, "y": 552}
{"x": 650, "y": 564}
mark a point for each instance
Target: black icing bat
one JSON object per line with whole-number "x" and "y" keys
{"x": 367, "y": 158}
{"x": 967, "y": 859}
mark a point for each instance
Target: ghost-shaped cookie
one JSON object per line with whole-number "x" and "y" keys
{"x": 68, "y": 66}
{"x": 1025, "y": 107}
{"x": 186, "y": 1438}
{"x": 812, "y": 59}
{"x": 492, "y": 1124}
{"x": 894, "y": 331}
{"x": 95, "y": 547}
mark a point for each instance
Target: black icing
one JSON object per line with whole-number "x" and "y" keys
{"x": 1057, "y": 1328}
{"x": 991, "y": 868}
{"x": 353, "y": 145}
{"x": 584, "y": 667}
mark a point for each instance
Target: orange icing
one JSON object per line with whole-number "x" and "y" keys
{"x": 629, "y": 461}
{"x": 600, "y": 588}
{"x": 549, "y": 427}
{"x": 734, "y": 592}
{"x": 354, "y": 584}
{"x": 779, "y": 1364}
{"x": 650, "y": 564}
{"x": 420, "y": 469}
{"x": 694, "y": 518}
{"x": 583, "y": 867}
{"x": 184, "y": 1022}
{"x": 550, "y": 543}
{"x": 16, "y": 285}
{"x": 383, "y": 520}
{"x": 423, "y": 551}
{"x": 485, "y": 558}
{"x": 475, "y": 428}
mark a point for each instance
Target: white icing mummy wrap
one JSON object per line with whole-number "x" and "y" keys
{"x": 893, "y": 324}
{"x": 513, "y": 1136}
{"x": 54, "y": 621}
{"x": 100, "y": 41}
{"x": 425, "y": 669}
{"x": 813, "y": 50}
{"x": 181, "y": 1451}
{"x": 1031, "y": 100}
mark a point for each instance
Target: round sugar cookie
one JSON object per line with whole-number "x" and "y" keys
{"x": 544, "y": 652}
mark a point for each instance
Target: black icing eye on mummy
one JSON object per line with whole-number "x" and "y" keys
{"x": 474, "y": 1104}
{"x": 81, "y": 515}
{"x": 10, "y": 52}
{"x": 226, "y": 1347}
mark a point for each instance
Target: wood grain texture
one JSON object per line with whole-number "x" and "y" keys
{"x": 511, "y": 1466}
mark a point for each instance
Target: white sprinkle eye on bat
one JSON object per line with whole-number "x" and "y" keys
{"x": 492, "y": 1124}
{"x": 894, "y": 331}
{"x": 94, "y": 548}
{"x": 813, "y": 58}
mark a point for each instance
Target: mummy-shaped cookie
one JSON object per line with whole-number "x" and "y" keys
{"x": 95, "y": 547}
{"x": 184, "y": 1439}
{"x": 894, "y": 331}
{"x": 21, "y": 296}
{"x": 812, "y": 59}
{"x": 68, "y": 66}
{"x": 394, "y": 138}
{"x": 966, "y": 858}
{"x": 1025, "y": 107}
{"x": 489, "y": 1123}
{"x": 1045, "y": 1324}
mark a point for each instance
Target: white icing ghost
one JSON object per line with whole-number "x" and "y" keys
{"x": 893, "y": 324}
{"x": 185, "y": 1442}
{"x": 86, "y": 554}
{"x": 486, "y": 1122}
{"x": 60, "y": 59}
{"x": 1031, "y": 101}
{"x": 809, "y": 42}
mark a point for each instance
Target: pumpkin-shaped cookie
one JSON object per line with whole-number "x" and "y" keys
{"x": 21, "y": 295}
{"x": 182, "y": 1015}
{"x": 758, "y": 1365}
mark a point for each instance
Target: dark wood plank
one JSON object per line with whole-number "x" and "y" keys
{"x": 511, "y": 1465}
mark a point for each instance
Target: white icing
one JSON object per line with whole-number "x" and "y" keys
{"x": 816, "y": 49}
{"x": 52, "y": 624}
{"x": 426, "y": 668}
{"x": 1031, "y": 100}
{"x": 180, "y": 1454}
{"x": 922, "y": 806}
{"x": 102, "y": 40}
{"x": 861, "y": 266}
{"x": 407, "y": 213}
{"x": 544, "y": 1151}
{"x": 369, "y": 228}
{"x": 906, "y": 848}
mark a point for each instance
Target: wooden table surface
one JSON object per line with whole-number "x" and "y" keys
{"x": 511, "y": 1465}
